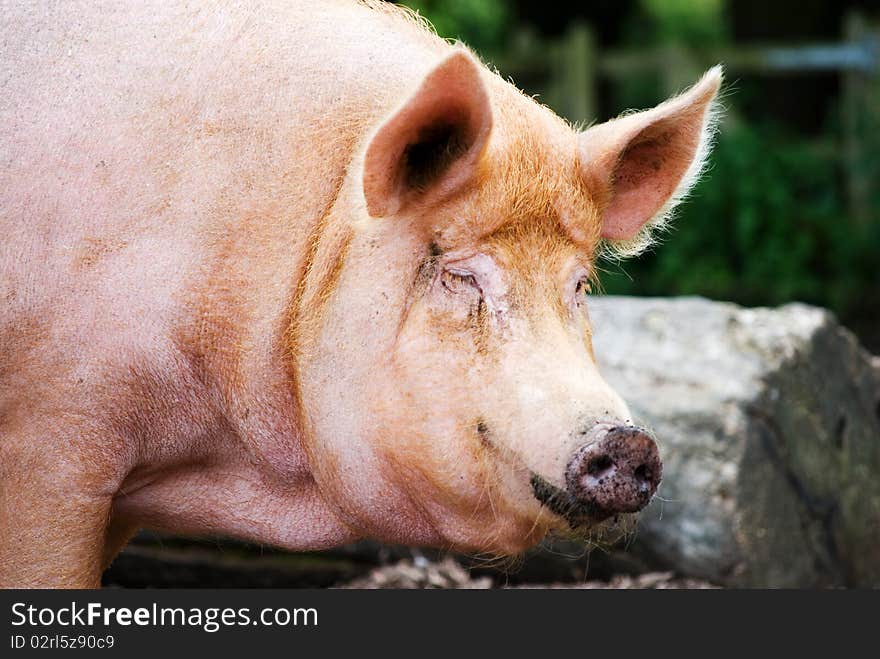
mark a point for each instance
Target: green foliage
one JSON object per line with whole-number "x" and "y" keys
{"x": 769, "y": 224}
{"x": 479, "y": 23}
{"x": 766, "y": 226}
{"x": 690, "y": 22}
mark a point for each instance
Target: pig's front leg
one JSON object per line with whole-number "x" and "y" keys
{"x": 53, "y": 523}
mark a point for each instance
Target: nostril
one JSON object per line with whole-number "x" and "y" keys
{"x": 643, "y": 473}
{"x": 599, "y": 465}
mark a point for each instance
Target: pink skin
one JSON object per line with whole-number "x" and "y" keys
{"x": 222, "y": 312}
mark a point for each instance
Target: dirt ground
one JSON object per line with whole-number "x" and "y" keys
{"x": 157, "y": 561}
{"x": 448, "y": 573}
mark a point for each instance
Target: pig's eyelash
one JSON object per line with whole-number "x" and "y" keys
{"x": 584, "y": 286}
{"x": 449, "y": 277}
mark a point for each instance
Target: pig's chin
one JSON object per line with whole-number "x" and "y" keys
{"x": 513, "y": 534}
{"x": 598, "y": 534}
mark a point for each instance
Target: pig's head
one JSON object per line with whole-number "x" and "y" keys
{"x": 448, "y": 387}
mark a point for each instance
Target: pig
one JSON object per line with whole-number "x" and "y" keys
{"x": 302, "y": 273}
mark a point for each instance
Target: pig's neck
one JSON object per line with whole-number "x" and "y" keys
{"x": 238, "y": 466}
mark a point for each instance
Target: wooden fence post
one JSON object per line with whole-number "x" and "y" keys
{"x": 576, "y": 74}
{"x": 861, "y": 125}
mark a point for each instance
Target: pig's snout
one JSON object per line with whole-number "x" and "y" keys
{"x": 617, "y": 471}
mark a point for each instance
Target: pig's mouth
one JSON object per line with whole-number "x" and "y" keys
{"x": 615, "y": 473}
{"x": 577, "y": 512}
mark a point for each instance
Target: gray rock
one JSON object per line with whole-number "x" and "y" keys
{"x": 768, "y": 422}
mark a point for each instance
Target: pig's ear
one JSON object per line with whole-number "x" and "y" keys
{"x": 431, "y": 144}
{"x": 641, "y": 165}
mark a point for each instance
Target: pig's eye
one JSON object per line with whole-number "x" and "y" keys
{"x": 459, "y": 281}
{"x": 583, "y": 287}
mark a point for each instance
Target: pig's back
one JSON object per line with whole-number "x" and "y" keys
{"x": 143, "y": 147}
